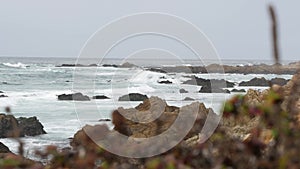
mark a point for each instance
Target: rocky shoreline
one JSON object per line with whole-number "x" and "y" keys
{"x": 289, "y": 69}
{"x": 247, "y": 128}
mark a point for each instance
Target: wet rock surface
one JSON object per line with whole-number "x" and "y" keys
{"x": 100, "y": 97}
{"x": 165, "y": 82}
{"x": 19, "y": 127}
{"x": 238, "y": 90}
{"x": 153, "y": 108}
{"x": 2, "y": 95}
{"x": 30, "y": 126}
{"x": 75, "y": 96}
{"x": 208, "y": 82}
{"x": 133, "y": 97}
{"x": 4, "y": 148}
{"x": 255, "y": 82}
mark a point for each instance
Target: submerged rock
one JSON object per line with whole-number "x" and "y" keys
{"x": 12, "y": 127}
{"x": 157, "y": 70}
{"x": 188, "y": 99}
{"x": 133, "y": 97}
{"x": 104, "y": 120}
{"x": 75, "y": 96}
{"x": 238, "y": 90}
{"x": 208, "y": 89}
{"x": 100, "y": 97}
{"x": 183, "y": 91}
{"x": 165, "y": 82}
{"x": 2, "y": 95}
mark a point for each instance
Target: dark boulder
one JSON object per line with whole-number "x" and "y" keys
{"x": 255, "y": 82}
{"x": 12, "y": 127}
{"x": 165, "y": 82}
{"x": 109, "y": 65}
{"x": 30, "y": 126}
{"x": 104, "y": 120}
{"x": 100, "y": 97}
{"x": 238, "y": 90}
{"x": 9, "y": 126}
{"x": 2, "y": 95}
{"x": 208, "y": 82}
{"x": 1, "y": 92}
{"x": 279, "y": 81}
{"x": 133, "y": 97}
{"x": 71, "y": 65}
{"x": 183, "y": 91}
{"x": 4, "y": 148}
{"x": 75, "y": 96}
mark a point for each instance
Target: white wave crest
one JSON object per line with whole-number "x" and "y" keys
{"x": 15, "y": 65}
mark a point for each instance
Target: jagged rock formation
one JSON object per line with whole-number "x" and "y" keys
{"x": 264, "y": 82}
{"x": 154, "y": 117}
{"x": 20, "y": 127}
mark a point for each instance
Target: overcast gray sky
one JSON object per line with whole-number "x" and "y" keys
{"x": 239, "y": 29}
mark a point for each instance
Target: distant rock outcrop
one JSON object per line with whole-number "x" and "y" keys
{"x": 255, "y": 82}
{"x": 158, "y": 70}
{"x": 77, "y": 65}
{"x": 264, "y": 82}
{"x": 133, "y": 97}
{"x": 208, "y": 82}
{"x": 12, "y": 127}
{"x": 247, "y": 69}
{"x": 127, "y": 65}
{"x": 75, "y": 96}
{"x": 110, "y": 65}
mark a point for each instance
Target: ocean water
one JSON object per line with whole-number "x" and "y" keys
{"x": 32, "y": 86}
